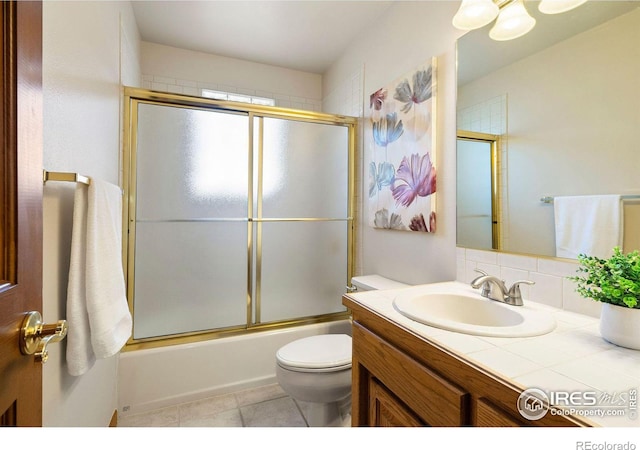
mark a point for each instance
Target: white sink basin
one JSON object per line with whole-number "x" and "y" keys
{"x": 468, "y": 312}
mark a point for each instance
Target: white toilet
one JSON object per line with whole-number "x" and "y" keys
{"x": 317, "y": 369}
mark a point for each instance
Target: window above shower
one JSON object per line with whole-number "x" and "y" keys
{"x": 233, "y": 97}
{"x": 282, "y": 94}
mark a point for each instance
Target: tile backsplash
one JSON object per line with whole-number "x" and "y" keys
{"x": 550, "y": 276}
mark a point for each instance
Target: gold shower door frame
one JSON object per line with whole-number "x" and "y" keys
{"x": 135, "y": 96}
{"x": 496, "y": 208}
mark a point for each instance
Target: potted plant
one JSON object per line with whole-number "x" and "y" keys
{"x": 616, "y": 283}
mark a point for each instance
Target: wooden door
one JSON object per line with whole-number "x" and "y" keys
{"x": 20, "y": 208}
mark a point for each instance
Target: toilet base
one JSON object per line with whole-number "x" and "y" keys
{"x": 335, "y": 414}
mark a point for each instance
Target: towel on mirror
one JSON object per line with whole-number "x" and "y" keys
{"x": 98, "y": 314}
{"x": 588, "y": 224}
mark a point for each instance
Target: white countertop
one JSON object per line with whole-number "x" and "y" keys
{"x": 572, "y": 358}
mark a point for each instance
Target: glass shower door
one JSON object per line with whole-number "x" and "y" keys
{"x": 476, "y": 217}
{"x": 239, "y": 217}
{"x": 191, "y": 221}
{"x": 303, "y": 219}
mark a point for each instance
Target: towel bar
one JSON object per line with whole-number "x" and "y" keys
{"x": 623, "y": 197}
{"x": 65, "y": 176}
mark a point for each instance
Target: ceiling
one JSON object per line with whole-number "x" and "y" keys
{"x": 310, "y": 35}
{"x": 303, "y": 35}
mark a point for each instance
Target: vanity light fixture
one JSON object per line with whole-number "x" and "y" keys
{"x": 513, "y": 20}
{"x": 475, "y": 14}
{"x": 558, "y": 6}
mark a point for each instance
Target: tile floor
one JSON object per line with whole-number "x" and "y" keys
{"x": 266, "y": 406}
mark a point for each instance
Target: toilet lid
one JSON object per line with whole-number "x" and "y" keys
{"x": 325, "y": 351}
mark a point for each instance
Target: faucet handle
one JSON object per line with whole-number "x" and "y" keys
{"x": 514, "y": 292}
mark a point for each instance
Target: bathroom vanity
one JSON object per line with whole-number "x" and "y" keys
{"x": 410, "y": 374}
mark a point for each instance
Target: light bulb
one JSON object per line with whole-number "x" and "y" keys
{"x": 474, "y": 14}
{"x": 513, "y": 21}
{"x": 558, "y": 6}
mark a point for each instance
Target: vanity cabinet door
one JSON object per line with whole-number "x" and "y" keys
{"x": 489, "y": 415}
{"x": 433, "y": 399}
{"x": 386, "y": 410}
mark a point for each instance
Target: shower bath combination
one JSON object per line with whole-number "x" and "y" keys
{"x": 240, "y": 217}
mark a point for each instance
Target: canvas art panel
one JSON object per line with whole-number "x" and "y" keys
{"x": 400, "y": 137}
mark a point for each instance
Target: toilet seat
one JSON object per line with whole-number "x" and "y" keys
{"x": 321, "y": 353}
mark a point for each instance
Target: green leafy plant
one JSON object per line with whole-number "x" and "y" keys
{"x": 615, "y": 280}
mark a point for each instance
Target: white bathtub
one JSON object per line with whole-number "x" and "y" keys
{"x": 160, "y": 377}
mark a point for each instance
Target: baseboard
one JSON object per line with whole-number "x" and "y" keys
{"x": 114, "y": 420}
{"x": 195, "y": 395}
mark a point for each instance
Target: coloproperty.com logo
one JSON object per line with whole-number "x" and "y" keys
{"x": 534, "y": 403}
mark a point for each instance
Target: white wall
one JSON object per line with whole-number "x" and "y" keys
{"x": 89, "y": 50}
{"x": 180, "y": 71}
{"x": 405, "y": 36}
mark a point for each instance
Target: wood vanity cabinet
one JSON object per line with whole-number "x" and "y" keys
{"x": 402, "y": 379}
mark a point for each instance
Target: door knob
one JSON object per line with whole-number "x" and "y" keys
{"x": 35, "y": 335}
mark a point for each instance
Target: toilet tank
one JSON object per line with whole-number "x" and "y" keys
{"x": 375, "y": 282}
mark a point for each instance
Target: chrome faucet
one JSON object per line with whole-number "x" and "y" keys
{"x": 495, "y": 289}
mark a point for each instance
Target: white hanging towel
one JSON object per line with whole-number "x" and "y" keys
{"x": 589, "y": 224}
{"x": 97, "y": 311}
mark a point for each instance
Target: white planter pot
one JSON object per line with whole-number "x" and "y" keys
{"x": 620, "y": 326}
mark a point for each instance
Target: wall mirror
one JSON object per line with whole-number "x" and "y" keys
{"x": 562, "y": 103}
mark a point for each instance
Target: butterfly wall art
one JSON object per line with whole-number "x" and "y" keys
{"x": 401, "y": 141}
